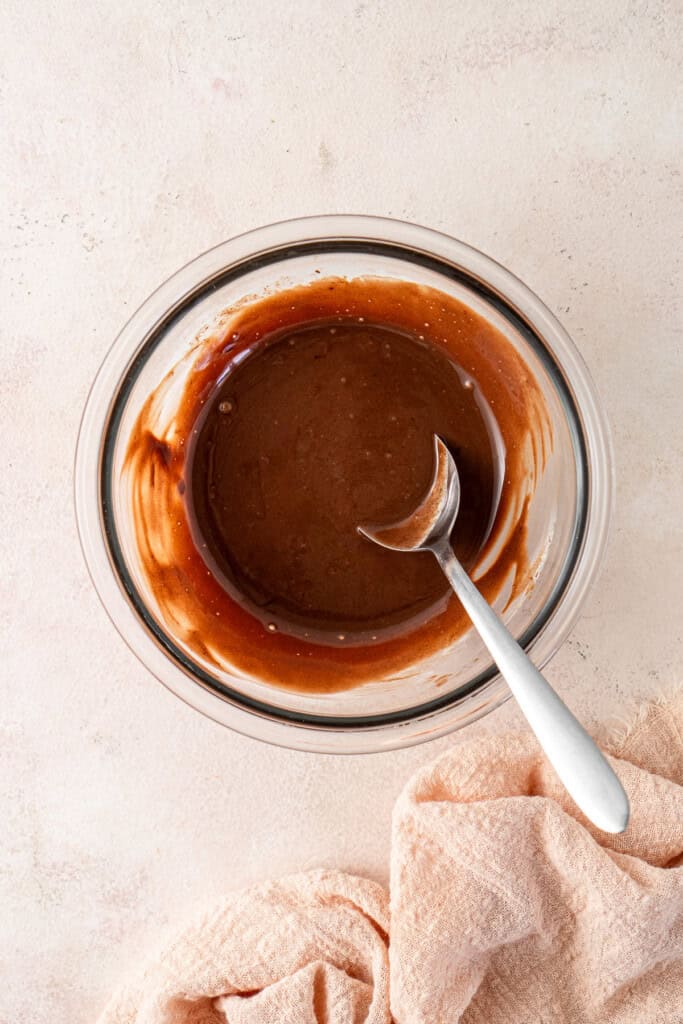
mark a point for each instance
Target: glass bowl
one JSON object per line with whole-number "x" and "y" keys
{"x": 567, "y": 521}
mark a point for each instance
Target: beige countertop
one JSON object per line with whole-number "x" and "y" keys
{"x": 134, "y": 136}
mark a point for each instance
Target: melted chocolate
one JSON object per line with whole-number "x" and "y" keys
{"x": 310, "y": 412}
{"x": 320, "y": 430}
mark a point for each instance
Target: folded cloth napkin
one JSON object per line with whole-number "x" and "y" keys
{"x": 309, "y": 948}
{"x": 507, "y": 907}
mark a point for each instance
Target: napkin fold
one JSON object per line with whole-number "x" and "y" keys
{"x": 507, "y": 907}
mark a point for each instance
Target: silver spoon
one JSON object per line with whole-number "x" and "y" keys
{"x": 581, "y": 766}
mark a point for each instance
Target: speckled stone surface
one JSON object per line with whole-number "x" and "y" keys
{"x": 135, "y": 136}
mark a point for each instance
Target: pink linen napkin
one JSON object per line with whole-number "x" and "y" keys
{"x": 507, "y": 907}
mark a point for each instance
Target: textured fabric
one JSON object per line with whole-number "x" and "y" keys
{"x": 507, "y": 908}
{"x": 309, "y": 948}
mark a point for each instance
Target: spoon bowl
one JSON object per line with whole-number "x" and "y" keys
{"x": 434, "y": 517}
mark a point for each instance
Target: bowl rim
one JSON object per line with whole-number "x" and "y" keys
{"x": 189, "y": 284}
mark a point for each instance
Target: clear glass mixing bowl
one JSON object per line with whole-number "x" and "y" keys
{"x": 568, "y": 518}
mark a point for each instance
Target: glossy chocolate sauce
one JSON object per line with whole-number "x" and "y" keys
{"x": 311, "y": 412}
{"x": 320, "y": 430}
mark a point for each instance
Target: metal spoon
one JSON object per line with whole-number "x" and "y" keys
{"x": 581, "y": 766}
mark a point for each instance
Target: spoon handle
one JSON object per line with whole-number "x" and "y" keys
{"x": 581, "y": 766}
